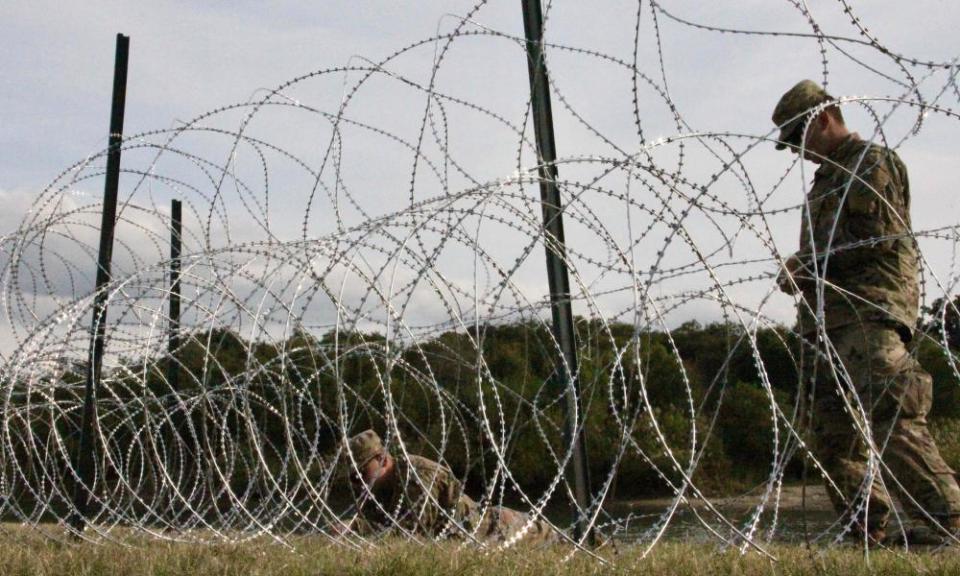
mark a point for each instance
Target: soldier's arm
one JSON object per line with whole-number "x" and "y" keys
{"x": 875, "y": 206}
{"x": 461, "y": 507}
{"x": 450, "y": 492}
{"x": 872, "y": 219}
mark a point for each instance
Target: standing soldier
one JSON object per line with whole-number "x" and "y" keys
{"x": 423, "y": 497}
{"x": 859, "y": 260}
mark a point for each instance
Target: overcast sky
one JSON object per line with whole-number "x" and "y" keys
{"x": 187, "y": 58}
{"x": 190, "y": 57}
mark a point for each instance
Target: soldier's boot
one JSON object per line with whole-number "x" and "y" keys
{"x": 952, "y": 523}
{"x": 946, "y": 535}
{"x": 916, "y": 536}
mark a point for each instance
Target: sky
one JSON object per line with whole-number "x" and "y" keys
{"x": 188, "y": 58}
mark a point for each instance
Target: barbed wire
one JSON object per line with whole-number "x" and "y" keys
{"x": 326, "y": 292}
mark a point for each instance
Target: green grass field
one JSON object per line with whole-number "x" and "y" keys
{"x": 35, "y": 557}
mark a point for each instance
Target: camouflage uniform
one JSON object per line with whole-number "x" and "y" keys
{"x": 425, "y": 498}
{"x": 857, "y": 246}
{"x": 500, "y": 523}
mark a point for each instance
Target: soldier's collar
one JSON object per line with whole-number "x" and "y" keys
{"x": 835, "y": 162}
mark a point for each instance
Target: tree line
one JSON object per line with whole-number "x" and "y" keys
{"x": 711, "y": 398}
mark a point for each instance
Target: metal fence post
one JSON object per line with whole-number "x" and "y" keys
{"x": 84, "y": 458}
{"x": 176, "y": 227}
{"x": 557, "y": 274}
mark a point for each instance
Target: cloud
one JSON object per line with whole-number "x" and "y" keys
{"x": 187, "y": 59}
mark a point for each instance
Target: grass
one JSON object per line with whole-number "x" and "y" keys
{"x": 34, "y": 556}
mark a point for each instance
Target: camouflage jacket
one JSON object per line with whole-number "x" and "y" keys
{"x": 856, "y": 229}
{"x": 423, "y": 499}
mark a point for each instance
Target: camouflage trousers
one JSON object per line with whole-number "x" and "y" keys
{"x": 499, "y": 524}
{"x": 897, "y": 394}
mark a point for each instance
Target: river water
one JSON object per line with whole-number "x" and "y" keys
{"x": 702, "y": 525}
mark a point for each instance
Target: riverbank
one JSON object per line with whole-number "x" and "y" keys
{"x": 797, "y": 515}
{"x": 793, "y": 498}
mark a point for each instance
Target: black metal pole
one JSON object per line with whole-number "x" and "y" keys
{"x": 84, "y": 459}
{"x": 557, "y": 274}
{"x": 173, "y": 370}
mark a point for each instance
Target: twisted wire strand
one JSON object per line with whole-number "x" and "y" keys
{"x": 316, "y": 304}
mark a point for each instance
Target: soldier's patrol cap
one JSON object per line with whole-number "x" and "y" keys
{"x": 365, "y": 446}
{"x": 790, "y": 111}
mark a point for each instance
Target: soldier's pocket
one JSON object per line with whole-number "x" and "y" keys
{"x": 918, "y": 392}
{"x": 899, "y": 385}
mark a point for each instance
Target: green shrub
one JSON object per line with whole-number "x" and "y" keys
{"x": 946, "y": 431}
{"x": 746, "y": 426}
{"x": 946, "y": 388}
